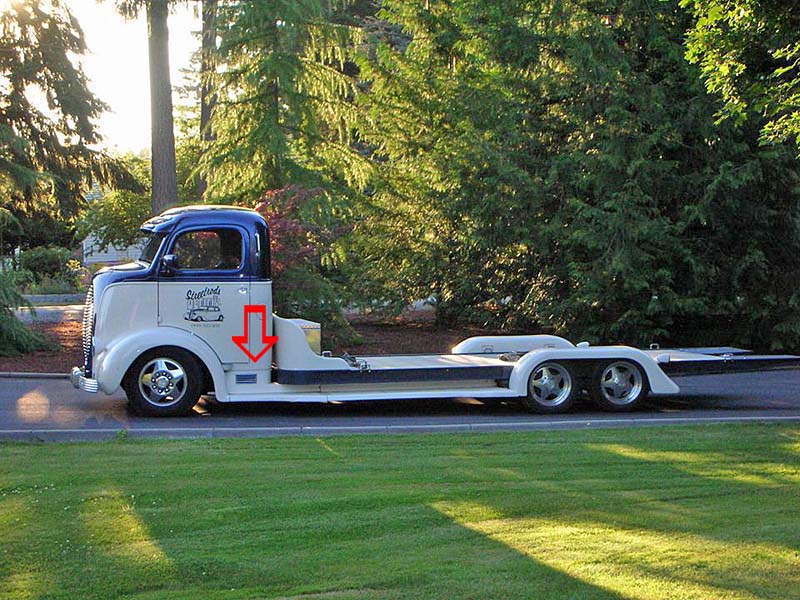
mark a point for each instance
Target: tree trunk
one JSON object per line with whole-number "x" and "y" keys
{"x": 165, "y": 184}
{"x": 207, "y": 96}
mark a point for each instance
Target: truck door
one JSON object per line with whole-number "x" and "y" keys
{"x": 261, "y": 292}
{"x": 208, "y": 288}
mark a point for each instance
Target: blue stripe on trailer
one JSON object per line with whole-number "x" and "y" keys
{"x": 732, "y": 364}
{"x": 310, "y": 377}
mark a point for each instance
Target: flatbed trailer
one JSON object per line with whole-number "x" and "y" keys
{"x": 194, "y": 315}
{"x": 719, "y": 361}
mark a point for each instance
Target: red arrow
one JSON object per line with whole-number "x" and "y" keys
{"x": 242, "y": 340}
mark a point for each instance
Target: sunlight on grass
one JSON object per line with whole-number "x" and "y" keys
{"x": 118, "y": 532}
{"x": 22, "y": 584}
{"x": 794, "y": 447}
{"x": 712, "y": 465}
{"x": 18, "y": 579}
{"x": 12, "y": 514}
{"x": 638, "y": 563}
{"x": 327, "y": 447}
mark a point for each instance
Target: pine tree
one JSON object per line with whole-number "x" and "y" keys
{"x": 558, "y": 166}
{"x": 284, "y": 110}
{"x": 749, "y": 56}
{"x": 45, "y": 159}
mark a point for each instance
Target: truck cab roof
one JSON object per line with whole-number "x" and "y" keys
{"x": 202, "y": 214}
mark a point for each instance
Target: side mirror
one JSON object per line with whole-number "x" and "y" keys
{"x": 169, "y": 264}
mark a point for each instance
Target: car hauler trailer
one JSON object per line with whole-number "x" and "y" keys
{"x": 194, "y": 315}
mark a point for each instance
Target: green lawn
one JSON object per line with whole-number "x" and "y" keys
{"x": 700, "y": 512}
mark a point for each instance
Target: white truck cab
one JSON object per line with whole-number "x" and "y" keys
{"x": 193, "y": 316}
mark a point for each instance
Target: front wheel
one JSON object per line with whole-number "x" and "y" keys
{"x": 550, "y": 389}
{"x": 165, "y": 382}
{"x": 619, "y": 386}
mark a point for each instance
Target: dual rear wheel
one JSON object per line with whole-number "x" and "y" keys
{"x": 616, "y": 386}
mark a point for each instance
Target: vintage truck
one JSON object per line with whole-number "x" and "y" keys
{"x": 193, "y": 316}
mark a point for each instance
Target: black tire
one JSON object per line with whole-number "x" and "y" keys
{"x": 551, "y": 388}
{"x": 179, "y": 386}
{"x": 619, "y": 386}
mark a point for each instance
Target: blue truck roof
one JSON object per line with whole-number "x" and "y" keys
{"x": 205, "y": 214}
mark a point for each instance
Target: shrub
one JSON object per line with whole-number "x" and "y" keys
{"x": 21, "y": 279}
{"x": 15, "y": 337}
{"x": 52, "y": 285}
{"x": 79, "y": 276}
{"x": 44, "y": 261}
{"x": 49, "y": 270}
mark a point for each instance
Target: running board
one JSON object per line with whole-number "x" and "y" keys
{"x": 375, "y": 394}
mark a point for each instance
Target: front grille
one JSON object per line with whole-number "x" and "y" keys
{"x": 88, "y": 331}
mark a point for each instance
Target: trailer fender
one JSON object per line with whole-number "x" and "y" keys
{"x": 112, "y": 363}
{"x": 659, "y": 382}
{"x": 499, "y": 344}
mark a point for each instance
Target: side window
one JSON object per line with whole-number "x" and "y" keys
{"x": 209, "y": 249}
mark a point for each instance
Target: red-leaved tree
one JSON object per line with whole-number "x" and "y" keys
{"x": 305, "y": 254}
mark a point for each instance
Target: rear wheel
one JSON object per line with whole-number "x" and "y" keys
{"x": 619, "y": 386}
{"x": 165, "y": 382}
{"x": 551, "y": 389}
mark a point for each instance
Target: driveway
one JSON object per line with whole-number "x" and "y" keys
{"x": 50, "y": 409}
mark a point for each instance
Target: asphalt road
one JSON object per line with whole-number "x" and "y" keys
{"x": 51, "y": 410}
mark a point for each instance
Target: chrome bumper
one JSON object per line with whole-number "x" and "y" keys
{"x": 81, "y": 382}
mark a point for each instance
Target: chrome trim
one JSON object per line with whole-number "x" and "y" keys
{"x": 87, "y": 333}
{"x": 80, "y": 382}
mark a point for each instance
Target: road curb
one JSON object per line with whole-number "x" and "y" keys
{"x": 21, "y": 375}
{"x": 105, "y": 434}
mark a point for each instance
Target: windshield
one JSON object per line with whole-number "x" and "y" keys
{"x": 151, "y": 243}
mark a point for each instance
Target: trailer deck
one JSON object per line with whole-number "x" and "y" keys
{"x": 405, "y": 368}
{"x": 715, "y": 361}
{"x": 399, "y": 368}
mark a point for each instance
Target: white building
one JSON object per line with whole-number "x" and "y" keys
{"x": 112, "y": 255}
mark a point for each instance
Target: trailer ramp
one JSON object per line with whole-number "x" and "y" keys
{"x": 718, "y": 360}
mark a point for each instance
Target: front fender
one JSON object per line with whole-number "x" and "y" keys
{"x": 111, "y": 364}
{"x": 659, "y": 382}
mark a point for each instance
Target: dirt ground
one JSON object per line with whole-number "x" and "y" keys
{"x": 66, "y": 334}
{"x": 399, "y": 336}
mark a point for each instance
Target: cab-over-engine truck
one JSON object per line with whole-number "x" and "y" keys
{"x": 194, "y": 316}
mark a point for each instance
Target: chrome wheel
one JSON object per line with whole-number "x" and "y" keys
{"x": 162, "y": 382}
{"x": 550, "y": 385}
{"x": 621, "y": 383}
